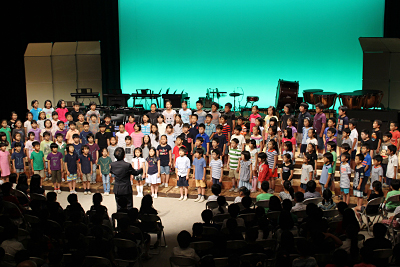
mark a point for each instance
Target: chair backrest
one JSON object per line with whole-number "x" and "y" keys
{"x": 31, "y": 219}
{"x": 268, "y": 243}
{"x": 314, "y": 200}
{"x": 210, "y": 231}
{"x": 21, "y": 195}
{"x": 221, "y": 262}
{"x": 35, "y": 196}
{"x": 39, "y": 262}
{"x": 273, "y": 215}
{"x": 361, "y": 237}
{"x": 213, "y": 205}
{"x": 254, "y": 258}
{"x": 219, "y": 218}
{"x": 182, "y": 261}
{"x": 202, "y": 245}
{"x": 375, "y": 202}
{"x": 301, "y": 214}
{"x": 149, "y": 218}
{"x": 124, "y": 243}
{"x": 117, "y": 216}
{"x": 9, "y": 205}
{"x": 249, "y": 217}
{"x": 235, "y": 244}
{"x": 262, "y": 203}
{"x": 330, "y": 213}
{"x": 136, "y": 231}
{"x": 93, "y": 260}
{"x": 382, "y": 253}
{"x": 394, "y": 199}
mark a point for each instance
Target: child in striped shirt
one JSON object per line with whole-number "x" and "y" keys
{"x": 272, "y": 159}
{"x": 234, "y": 155}
{"x": 216, "y": 167}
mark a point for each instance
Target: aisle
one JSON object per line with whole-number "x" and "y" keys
{"x": 175, "y": 215}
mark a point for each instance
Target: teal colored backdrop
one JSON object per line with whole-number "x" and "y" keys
{"x": 193, "y": 45}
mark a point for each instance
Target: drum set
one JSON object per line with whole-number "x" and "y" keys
{"x": 359, "y": 99}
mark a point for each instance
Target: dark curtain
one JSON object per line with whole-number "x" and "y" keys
{"x": 392, "y": 19}
{"x": 57, "y": 21}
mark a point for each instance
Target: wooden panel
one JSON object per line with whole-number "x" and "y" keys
{"x": 64, "y": 48}
{"x": 88, "y": 48}
{"x": 38, "y": 49}
{"x": 63, "y": 90}
{"x": 38, "y": 69}
{"x": 40, "y": 92}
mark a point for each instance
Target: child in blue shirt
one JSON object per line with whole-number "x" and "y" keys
{"x": 327, "y": 174}
{"x": 199, "y": 164}
{"x": 206, "y": 142}
{"x": 367, "y": 162}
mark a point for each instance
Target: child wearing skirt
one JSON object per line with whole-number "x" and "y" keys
{"x": 245, "y": 168}
{"x": 153, "y": 172}
{"x": 138, "y": 163}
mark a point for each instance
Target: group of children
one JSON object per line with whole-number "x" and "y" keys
{"x": 69, "y": 146}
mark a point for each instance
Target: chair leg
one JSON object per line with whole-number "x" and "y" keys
{"x": 165, "y": 241}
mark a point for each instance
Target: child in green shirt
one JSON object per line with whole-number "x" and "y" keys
{"x": 331, "y": 148}
{"x": 391, "y": 205}
{"x": 37, "y": 160}
{"x": 104, "y": 165}
{"x": 265, "y": 195}
{"x": 45, "y": 148}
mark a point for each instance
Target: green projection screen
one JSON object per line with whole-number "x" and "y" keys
{"x": 193, "y": 45}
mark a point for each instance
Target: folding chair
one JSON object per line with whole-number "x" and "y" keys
{"x": 262, "y": 203}
{"x": 221, "y": 262}
{"x": 22, "y": 198}
{"x": 156, "y": 220}
{"x": 117, "y": 216}
{"x": 182, "y": 261}
{"x": 395, "y": 199}
{"x": 53, "y": 229}
{"x": 202, "y": 247}
{"x": 314, "y": 200}
{"x": 124, "y": 244}
{"x": 235, "y": 244}
{"x": 35, "y": 196}
{"x": 8, "y": 261}
{"x": 268, "y": 243}
{"x": 392, "y": 231}
{"x": 219, "y": 218}
{"x": 383, "y": 254}
{"x": 373, "y": 202}
{"x": 39, "y": 262}
{"x": 210, "y": 231}
{"x": 248, "y": 218}
{"x": 210, "y": 205}
{"x": 301, "y": 214}
{"x": 23, "y": 236}
{"x": 328, "y": 214}
{"x": 322, "y": 259}
{"x": 273, "y": 215}
{"x": 93, "y": 261}
{"x": 254, "y": 259}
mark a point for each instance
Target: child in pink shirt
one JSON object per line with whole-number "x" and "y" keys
{"x": 254, "y": 115}
{"x": 61, "y": 110}
{"x": 129, "y": 126}
{"x": 137, "y": 136}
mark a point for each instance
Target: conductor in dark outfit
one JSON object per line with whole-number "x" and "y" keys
{"x": 122, "y": 171}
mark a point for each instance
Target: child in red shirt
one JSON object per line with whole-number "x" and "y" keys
{"x": 395, "y": 134}
{"x": 263, "y": 169}
{"x": 254, "y": 115}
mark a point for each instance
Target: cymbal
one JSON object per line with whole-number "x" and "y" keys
{"x": 235, "y": 94}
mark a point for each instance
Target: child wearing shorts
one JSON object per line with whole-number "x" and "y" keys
{"x": 182, "y": 170}
{"x": 86, "y": 169}
{"x": 199, "y": 164}
{"x": 55, "y": 166}
{"x": 71, "y": 167}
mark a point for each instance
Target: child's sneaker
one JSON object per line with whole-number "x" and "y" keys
{"x": 85, "y": 192}
{"x": 166, "y": 185}
{"x": 59, "y": 191}
{"x": 180, "y": 198}
{"x": 201, "y": 199}
{"x": 176, "y": 187}
{"x": 106, "y": 193}
{"x": 131, "y": 182}
{"x": 89, "y": 193}
{"x": 63, "y": 180}
{"x": 161, "y": 185}
{"x": 232, "y": 189}
{"x": 236, "y": 190}
{"x": 197, "y": 199}
{"x": 155, "y": 196}
{"x": 184, "y": 198}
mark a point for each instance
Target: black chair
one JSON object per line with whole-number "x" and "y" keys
{"x": 329, "y": 214}
{"x": 314, "y": 200}
{"x": 124, "y": 244}
{"x": 254, "y": 259}
{"x": 213, "y": 205}
{"x": 262, "y": 203}
{"x": 375, "y": 216}
{"x": 219, "y": 218}
{"x": 221, "y": 262}
{"x": 93, "y": 261}
{"x": 182, "y": 261}
{"x": 210, "y": 231}
{"x": 235, "y": 244}
{"x": 35, "y": 196}
{"x": 268, "y": 243}
{"x": 152, "y": 219}
{"x": 117, "y": 216}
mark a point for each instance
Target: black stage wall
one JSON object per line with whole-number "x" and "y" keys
{"x": 84, "y": 20}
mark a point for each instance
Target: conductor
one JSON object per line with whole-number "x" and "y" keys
{"x": 122, "y": 171}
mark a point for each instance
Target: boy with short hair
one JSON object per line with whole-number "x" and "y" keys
{"x": 264, "y": 195}
{"x": 199, "y": 170}
{"x": 61, "y": 146}
{"x": 61, "y": 130}
{"x": 330, "y": 136}
{"x": 376, "y": 137}
{"x": 84, "y": 133}
{"x": 376, "y": 170}
{"x": 37, "y": 161}
{"x": 215, "y": 113}
{"x": 77, "y": 144}
{"x": 222, "y": 144}
{"x": 93, "y": 124}
{"x": 71, "y": 168}
{"x": 182, "y": 170}
{"x": 200, "y": 112}
{"x": 331, "y": 148}
{"x": 210, "y": 127}
{"x": 367, "y": 162}
{"x": 94, "y": 155}
{"x": 395, "y": 186}
{"x": 366, "y": 140}
{"x": 215, "y": 146}
{"x": 194, "y": 126}
{"x": 18, "y": 157}
{"x": 230, "y": 116}
{"x": 217, "y": 167}
{"x": 327, "y": 174}
{"x": 198, "y": 145}
{"x": 240, "y": 122}
{"x": 85, "y": 163}
{"x": 236, "y": 134}
{"x": 55, "y": 166}
{"x": 72, "y": 130}
{"x": 395, "y": 134}
{"x": 233, "y": 162}
{"x": 75, "y": 113}
{"x": 345, "y": 172}
{"x": 185, "y": 112}
{"x": 342, "y": 123}
{"x": 300, "y": 122}
{"x": 319, "y": 126}
{"x": 110, "y": 128}
{"x": 206, "y": 139}
{"x": 102, "y": 138}
{"x": 69, "y": 118}
{"x": 45, "y": 147}
{"x": 354, "y": 139}
{"x": 187, "y": 138}
{"x": 79, "y": 123}
{"x": 393, "y": 163}
{"x": 385, "y": 153}
{"x": 360, "y": 180}
{"x": 345, "y": 139}
{"x": 226, "y": 131}
{"x": 175, "y": 150}
{"x": 93, "y": 111}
